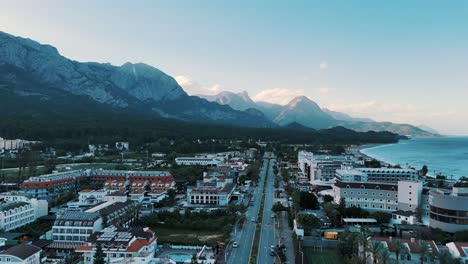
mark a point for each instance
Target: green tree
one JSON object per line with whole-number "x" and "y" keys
{"x": 381, "y": 217}
{"x": 424, "y": 170}
{"x": 99, "y": 255}
{"x": 308, "y": 200}
{"x": 374, "y": 248}
{"x": 384, "y": 256}
{"x": 400, "y": 249}
{"x": 327, "y": 198}
{"x": 424, "y": 251}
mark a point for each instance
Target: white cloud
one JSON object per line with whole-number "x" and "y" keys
{"x": 323, "y": 65}
{"x": 326, "y": 90}
{"x": 280, "y": 96}
{"x": 192, "y": 87}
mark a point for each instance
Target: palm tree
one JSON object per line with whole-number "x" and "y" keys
{"x": 423, "y": 250}
{"x": 384, "y": 256}
{"x": 446, "y": 258}
{"x": 363, "y": 239}
{"x": 374, "y": 247}
{"x": 399, "y": 247}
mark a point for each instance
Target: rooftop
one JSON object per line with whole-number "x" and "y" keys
{"x": 22, "y": 251}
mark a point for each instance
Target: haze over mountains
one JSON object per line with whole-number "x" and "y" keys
{"x": 38, "y": 72}
{"x": 303, "y": 111}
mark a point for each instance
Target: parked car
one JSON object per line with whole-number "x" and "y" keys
{"x": 234, "y": 245}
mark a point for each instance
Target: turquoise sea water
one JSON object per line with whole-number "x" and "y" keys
{"x": 448, "y": 155}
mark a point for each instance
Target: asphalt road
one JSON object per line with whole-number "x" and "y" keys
{"x": 244, "y": 236}
{"x": 268, "y": 230}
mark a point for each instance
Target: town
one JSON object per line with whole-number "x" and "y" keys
{"x": 258, "y": 202}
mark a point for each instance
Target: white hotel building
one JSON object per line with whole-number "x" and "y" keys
{"x": 380, "y": 189}
{"x": 17, "y": 211}
{"x": 199, "y": 161}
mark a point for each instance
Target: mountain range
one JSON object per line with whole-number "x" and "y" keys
{"x": 28, "y": 68}
{"x": 303, "y": 111}
{"x": 39, "y": 73}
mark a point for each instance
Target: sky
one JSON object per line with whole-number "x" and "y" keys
{"x": 401, "y": 60}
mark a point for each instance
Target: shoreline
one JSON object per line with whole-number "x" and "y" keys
{"x": 357, "y": 151}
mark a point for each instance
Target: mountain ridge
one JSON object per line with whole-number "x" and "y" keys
{"x": 305, "y": 112}
{"x": 136, "y": 86}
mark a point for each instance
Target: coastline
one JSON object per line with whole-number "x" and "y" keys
{"x": 357, "y": 151}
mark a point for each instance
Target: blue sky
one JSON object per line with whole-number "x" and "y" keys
{"x": 401, "y": 61}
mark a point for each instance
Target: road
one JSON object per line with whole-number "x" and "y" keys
{"x": 245, "y": 236}
{"x": 268, "y": 230}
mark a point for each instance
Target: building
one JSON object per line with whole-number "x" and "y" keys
{"x": 449, "y": 209}
{"x": 17, "y": 210}
{"x": 458, "y": 250}
{"x": 14, "y": 144}
{"x": 322, "y": 167}
{"x": 122, "y": 146}
{"x": 89, "y": 197}
{"x": 21, "y": 254}
{"x": 390, "y": 174}
{"x": 133, "y": 245}
{"x": 199, "y": 161}
{"x": 215, "y": 189}
{"x": 49, "y": 186}
{"x": 76, "y": 227}
{"x": 118, "y": 210}
{"x": 412, "y": 254}
{"x": 377, "y": 175}
{"x": 380, "y": 196}
{"x": 404, "y": 217}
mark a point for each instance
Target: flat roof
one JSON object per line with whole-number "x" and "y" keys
{"x": 359, "y": 220}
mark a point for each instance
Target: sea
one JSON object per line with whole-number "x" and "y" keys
{"x": 443, "y": 155}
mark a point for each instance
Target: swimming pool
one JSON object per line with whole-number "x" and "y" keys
{"x": 180, "y": 257}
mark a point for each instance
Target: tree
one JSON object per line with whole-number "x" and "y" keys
{"x": 308, "y": 200}
{"x": 99, "y": 255}
{"x": 446, "y": 258}
{"x": 342, "y": 206}
{"x": 194, "y": 259}
{"x": 424, "y": 251}
{"x": 400, "y": 249}
{"x": 327, "y": 198}
{"x": 374, "y": 248}
{"x": 347, "y": 244}
{"x": 309, "y": 221}
{"x": 424, "y": 170}
{"x": 381, "y": 217}
{"x": 384, "y": 256}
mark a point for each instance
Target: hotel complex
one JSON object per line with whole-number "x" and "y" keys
{"x": 50, "y": 185}
{"x": 215, "y": 189}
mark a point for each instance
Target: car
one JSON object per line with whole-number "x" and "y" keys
{"x": 272, "y": 215}
{"x": 234, "y": 245}
{"x": 253, "y": 219}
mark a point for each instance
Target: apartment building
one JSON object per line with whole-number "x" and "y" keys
{"x": 199, "y": 161}
{"x": 215, "y": 189}
{"x": 449, "y": 209}
{"x": 21, "y": 254}
{"x": 75, "y": 226}
{"x": 322, "y": 167}
{"x": 49, "y": 186}
{"x": 17, "y": 210}
{"x": 131, "y": 245}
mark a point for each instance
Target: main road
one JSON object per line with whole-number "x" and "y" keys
{"x": 268, "y": 230}
{"x": 245, "y": 236}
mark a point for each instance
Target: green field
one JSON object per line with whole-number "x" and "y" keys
{"x": 188, "y": 237}
{"x": 326, "y": 256}
{"x": 77, "y": 166}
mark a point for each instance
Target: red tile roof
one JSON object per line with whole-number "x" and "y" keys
{"x": 413, "y": 246}
{"x": 460, "y": 246}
